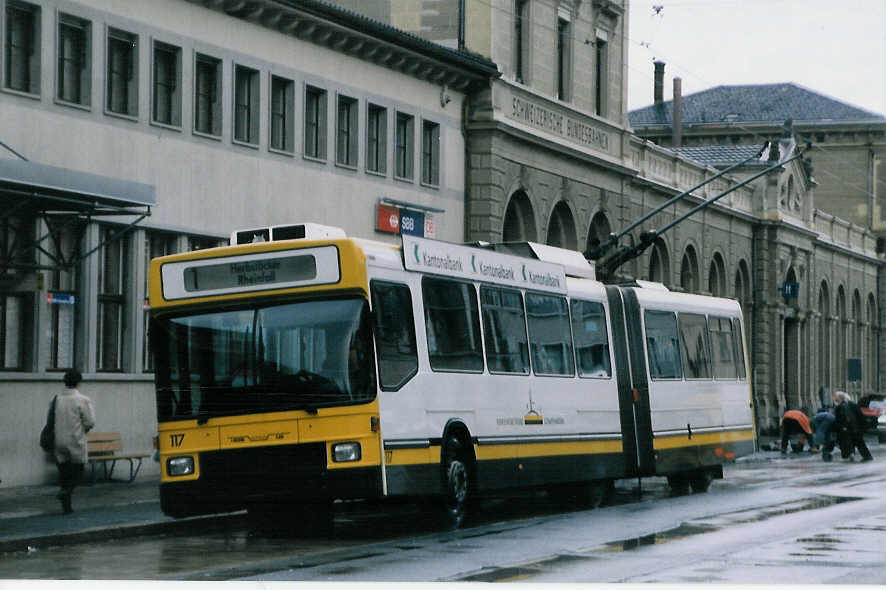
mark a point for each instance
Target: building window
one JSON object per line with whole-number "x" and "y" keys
{"x": 63, "y": 281}
{"x": 521, "y": 43}
{"x": 246, "y": 101}
{"x": 282, "y": 115}
{"x": 564, "y": 66}
{"x": 430, "y": 153}
{"x": 167, "y": 84}
{"x": 156, "y": 244}
{"x": 376, "y": 139}
{"x": 601, "y": 74}
{"x": 315, "y": 123}
{"x": 112, "y": 286}
{"x": 404, "y": 146}
{"x": 207, "y": 93}
{"x": 122, "y": 74}
{"x": 204, "y": 243}
{"x": 22, "y": 60}
{"x": 74, "y": 58}
{"x": 346, "y": 141}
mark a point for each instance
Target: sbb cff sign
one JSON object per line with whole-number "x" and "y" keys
{"x": 404, "y": 221}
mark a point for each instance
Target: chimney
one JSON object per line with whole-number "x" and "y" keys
{"x": 658, "y": 90}
{"x": 677, "y": 135}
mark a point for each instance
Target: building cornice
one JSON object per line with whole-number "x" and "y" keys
{"x": 352, "y": 34}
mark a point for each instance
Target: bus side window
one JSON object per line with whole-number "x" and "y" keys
{"x": 591, "y": 339}
{"x": 504, "y": 329}
{"x": 739, "y": 349}
{"x": 453, "y": 325}
{"x": 722, "y": 348}
{"x": 550, "y": 341}
{"x": 662, "y": 345}
{"x": 695, "y": 348}
{"x": 394, "y": 334}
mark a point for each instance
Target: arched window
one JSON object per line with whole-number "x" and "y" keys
{"x": 660, "y": 263}
{"x": 598, "y": 232}
{"x": 841, "y": 338}
{"x": 689, "y": 271}
{"x": 519, "y": 222}
{"x": 743, "y": 284}
{"x": 824, "y": 336}
{"x": 717, "y": 276}
{"x": 561, "y": 228}
{"x": 870, "y": 362}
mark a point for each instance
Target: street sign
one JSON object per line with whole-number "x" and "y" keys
{"x": 853, "y": 369}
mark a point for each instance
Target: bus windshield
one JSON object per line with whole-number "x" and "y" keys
{"x": 263, "y": 359}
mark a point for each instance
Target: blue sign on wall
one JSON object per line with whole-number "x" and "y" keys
{"x": 412, "y": 223}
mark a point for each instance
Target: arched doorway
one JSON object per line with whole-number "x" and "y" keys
{"x": 717, "y": 276}
{"x": 689, "y": 271}
{"x": 791, "y": 354}
{"x": 841, "y": 339}
{"x": 871, "y": 353}
{"x": 519, "y": 224}
{"x": 660, "y": 263}
{"x": 598, "y": 232}
{"x": 561, "y": 228}
{"x": 824, "y": 338}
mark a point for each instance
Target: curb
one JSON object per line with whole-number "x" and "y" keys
{"x": 193, "y": 524}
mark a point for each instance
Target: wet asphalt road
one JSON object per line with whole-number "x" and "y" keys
{"x": 769, "y": 520}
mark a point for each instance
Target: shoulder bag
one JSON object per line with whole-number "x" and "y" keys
{"x": 47, "y": 435}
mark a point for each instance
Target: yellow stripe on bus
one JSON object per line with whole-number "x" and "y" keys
{"x": 674, "y": 441}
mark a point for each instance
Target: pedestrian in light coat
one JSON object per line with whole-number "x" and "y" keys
{"x": 74, "y": 417}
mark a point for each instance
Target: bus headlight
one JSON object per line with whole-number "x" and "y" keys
{"x": 344, "y": 452}
{"x": 180, "y": 466}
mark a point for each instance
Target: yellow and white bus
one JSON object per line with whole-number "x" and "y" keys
{"x": 311, "y": 367}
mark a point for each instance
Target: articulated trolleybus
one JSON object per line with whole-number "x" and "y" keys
{"x": 293, "y": 373}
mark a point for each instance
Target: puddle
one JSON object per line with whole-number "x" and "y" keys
{"x": 505, "y": 574}
{"x": 742, "y": 517}
{"x": 684, "y": 530}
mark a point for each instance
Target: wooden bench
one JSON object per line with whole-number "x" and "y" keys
{"x": 107, "y": 447}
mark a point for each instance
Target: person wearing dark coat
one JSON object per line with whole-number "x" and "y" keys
{"x": 825, "y": 434}
{"x": 850, "y": 427}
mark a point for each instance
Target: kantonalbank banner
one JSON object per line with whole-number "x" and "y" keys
{"x": 476, "y": 264}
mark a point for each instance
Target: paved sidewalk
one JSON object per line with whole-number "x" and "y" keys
{"x": 31, "y": 516}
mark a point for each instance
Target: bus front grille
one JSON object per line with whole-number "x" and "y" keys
{"x": 285, "y": 470}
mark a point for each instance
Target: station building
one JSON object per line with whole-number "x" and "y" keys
{"x": 138, "y": 129}
{"x": 555, "y": 157}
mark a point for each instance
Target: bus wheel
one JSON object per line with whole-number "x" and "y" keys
{"x": 679, "y": 484}
{"x": 701, "y": 481}
{"x": 456, "y": 484}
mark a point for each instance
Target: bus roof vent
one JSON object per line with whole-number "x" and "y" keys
{"x": 574, "y": 263}
{"x": 275, "y": 233}
{"x": 651, "y": 285}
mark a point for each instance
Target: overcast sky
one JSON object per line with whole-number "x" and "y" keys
{"x": 833, "y": 47}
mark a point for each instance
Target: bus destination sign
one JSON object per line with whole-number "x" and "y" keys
{"x": 239, "y": 274}
{"x": 476, "y": 264}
